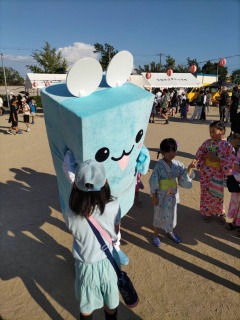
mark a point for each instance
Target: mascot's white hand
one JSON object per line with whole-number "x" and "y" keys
{"x": 69, "y": 166}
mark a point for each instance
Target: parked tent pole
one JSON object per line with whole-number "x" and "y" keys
{"x": 5, "y": 81}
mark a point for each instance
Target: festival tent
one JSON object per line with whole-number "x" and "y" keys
{"x": 139, "y": 80}
{"x": 176, "y": 80}
{"x": 41, "y": 80}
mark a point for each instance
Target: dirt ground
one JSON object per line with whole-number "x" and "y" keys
{"x": 197, "y": 279}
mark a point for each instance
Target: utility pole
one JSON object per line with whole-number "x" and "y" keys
{"x": 161, "y": 54}
{"x": 5, "y": 81}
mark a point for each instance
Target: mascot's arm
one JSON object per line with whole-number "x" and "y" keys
{"x": 143, "y": 160}
{"x": 69, "y": 166}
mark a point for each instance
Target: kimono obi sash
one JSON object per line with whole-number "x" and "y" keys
{"x": 216, "y": 165}
{"x": 165, "y": 184}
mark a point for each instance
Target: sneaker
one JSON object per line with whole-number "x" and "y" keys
{"x": 28, "y": 129}
{"x": 174, "y": 237}
{"x": 32, "y": 122}
{"x": 123, "y": 258}
{"x": 156, "y": 241}
{"x": 9, "y": 132}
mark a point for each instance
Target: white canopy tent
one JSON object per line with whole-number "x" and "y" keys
{"x": 139, "y": 80}
{"x": 41, "y": 80}
{"x": 176, "y": 80}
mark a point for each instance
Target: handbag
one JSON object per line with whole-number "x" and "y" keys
{"x": 232, "y": 184}
{"x": 125, "y": 285}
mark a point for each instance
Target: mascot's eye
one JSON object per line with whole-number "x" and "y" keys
{"x": 102, "y": 154}
{"x": 139, "y": 136}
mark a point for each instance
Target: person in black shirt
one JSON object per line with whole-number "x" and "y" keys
{"x": 13, "y": 117}
{"x": 234, "y": 105}
{"x": 222, "y": 103}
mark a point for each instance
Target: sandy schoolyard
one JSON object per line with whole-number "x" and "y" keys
{"x": 197, "y": 279}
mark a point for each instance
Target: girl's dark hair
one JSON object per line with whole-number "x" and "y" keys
{"x": 218, "y": 125}
{"x": 167, "y": 145}
{"x": 83, "y": 203}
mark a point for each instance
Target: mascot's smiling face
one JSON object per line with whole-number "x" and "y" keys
{"x": 106, "y": 124}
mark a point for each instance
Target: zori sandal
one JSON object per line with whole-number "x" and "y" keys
{"x": 207, "y": 218}
{"x": 156, "y": 241}
{"x": 230, "y": 226}
{"x": 174, "y": 237}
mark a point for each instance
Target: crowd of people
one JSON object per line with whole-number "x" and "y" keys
{"x": 90, "y": 199}
{"x": 170, "y": 102}
{"x": 25, "y": 105}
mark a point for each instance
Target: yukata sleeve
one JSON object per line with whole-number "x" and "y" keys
{"x": 154, "y": 179}
{"x": 184, "y": 180}
{"x": 69, "y": 166}
{"x": 227, "y": 157}
{"x": 203, "y": 150}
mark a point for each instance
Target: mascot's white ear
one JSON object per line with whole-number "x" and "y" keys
{"x": 119, "y": 69}
{"x": 84, "y": 77}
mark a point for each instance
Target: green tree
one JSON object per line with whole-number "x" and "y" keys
{"x": 170, "y": 63}
{"x": 191, "y": 62}
{"x": 214, "y": 68}
{"x": 106, "y": 53}
{"x": 13, "y": 78}
{"x": 235, "y": 77}
{"x": 48, "y": 60}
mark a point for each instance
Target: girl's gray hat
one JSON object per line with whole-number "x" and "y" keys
{"x": 90, "y": 176}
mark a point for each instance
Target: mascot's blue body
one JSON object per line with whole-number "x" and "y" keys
{"x": 108, "y": 126}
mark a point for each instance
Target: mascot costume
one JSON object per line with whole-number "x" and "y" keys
{"x": 99, "y": 117}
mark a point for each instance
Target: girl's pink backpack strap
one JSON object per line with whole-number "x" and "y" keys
{"x": 103, "y": 232}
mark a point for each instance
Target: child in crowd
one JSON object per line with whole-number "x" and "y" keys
{"x": 69, "y": 167}
{"x": 33, "y": 109}
{"x": 95, "y": 278}
{"x": 26, "y": 113}
{"x": 215, "y": 160}
{"x": 183, "y": 109}
{"x": 154, "y": 111}
{"x": 227, "y": 109}
{"x": 164, "y": 189}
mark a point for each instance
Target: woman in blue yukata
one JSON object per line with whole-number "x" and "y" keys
{"x": 165, "y": 178}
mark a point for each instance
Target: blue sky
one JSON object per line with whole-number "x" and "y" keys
{"x": 198, "y": 29}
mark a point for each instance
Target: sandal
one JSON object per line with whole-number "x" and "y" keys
{"x": 207, "y": 219}
{"x": 174, "y": 237}
{"x": 230, "y": 226}
{"x": 156, "y": 241}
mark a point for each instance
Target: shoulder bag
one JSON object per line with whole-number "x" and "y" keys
{"x": 125, "y": 285}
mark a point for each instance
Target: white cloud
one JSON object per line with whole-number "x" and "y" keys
{"x": 77, "y": 51}
{"x": 25, "y": 59}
